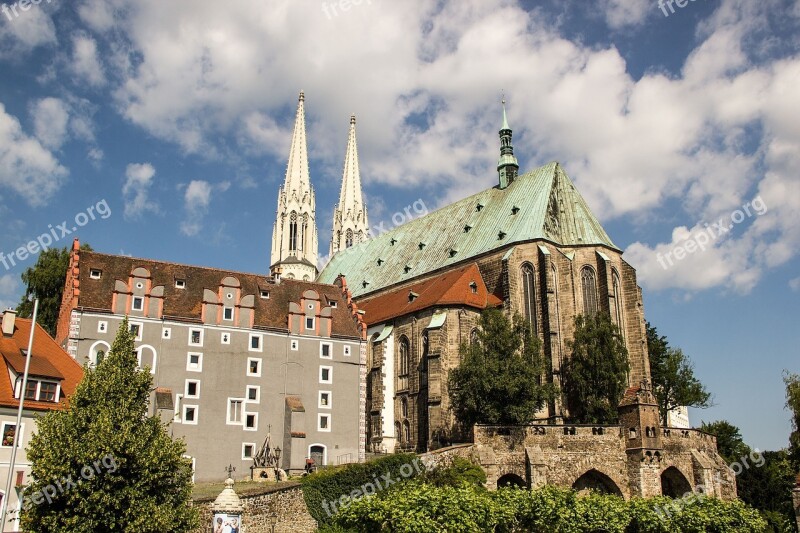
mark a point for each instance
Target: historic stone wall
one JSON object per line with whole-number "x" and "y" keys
{"x": 276, "y": 510}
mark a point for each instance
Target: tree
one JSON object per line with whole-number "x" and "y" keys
{"x": 102, "y": 464}
{"x": 596, "y": 374}
{"x": 45, "y": 280}
{"x": 500, "y": 379}
{"x": 792, "y": 382}
{"x": 672, "y": 374}
{"x": 730, "y": 444}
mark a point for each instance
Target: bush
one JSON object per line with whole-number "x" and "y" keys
{"x": 459, "y": 470}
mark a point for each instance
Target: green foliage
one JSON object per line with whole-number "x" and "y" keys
{"x": 419, "y": 508}
{"x": 147, "y": 489}
{"x": 45, "y": 280}
{"x": 499, "y": 380}
{"x": 729, "y": 440}
{"x": 768, "y": 488}
{"x": 672, "y": 373}
{"x": 596, "y": 374}
{"x": 323, "y": 490}
{"x": 459, "y": 471}
{"x": 792, "y": 382}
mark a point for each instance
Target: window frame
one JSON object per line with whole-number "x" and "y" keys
{"x": 322, "y": 346}
{"x": 186, "y": 389}
{"x": 329, "y": 368}
{"x": 320, "y": 405}
{"x": 202, "y": 335}
{"x": 228, "y": 419}
{"x": 248, "y": 388}
{"x": 21, "y": 440}
{"x": 225, "y": 310}
{"x": 326, "y": 416}
{"x": 140, "y": 300}
{"x": 199, "y": 367}
{"x": 254, "y": 374}
{"x": 184, "y": 409}
{"x": 260, "y": 338}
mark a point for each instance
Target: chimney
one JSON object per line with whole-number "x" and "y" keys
{"x": 9, "y": 316}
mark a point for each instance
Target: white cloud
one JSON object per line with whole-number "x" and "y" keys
{"x": 196, "y": 201}
{"x": 135, "y": 191}
{"x": 622, "y": 13}
{"x": 85, "y": 63}
{"x": 794, "y": 284}
{"x": 9, "y": 285}
{"x": 50, "y": 118}
{"x": 27, "y": 167}
{"x": 98, "y": 14}
{"x": 23, "y": 33}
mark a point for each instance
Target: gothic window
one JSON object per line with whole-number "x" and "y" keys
{"x": 589, "y": 284}
{"x": 473, "y": 337}
{"x": 303, "y": 236}
{"x": 404, "y": 354}
{"x": 557, "y": 310}
{"x": 425, "y": 343}
{"x": 617, "y": 290}
{"x": 293, "y": 232}
{"x": 360, "y": 236}
{"x": 348, "y": 239}
{"x": 397, "y": 431}
{"x": 529, "y": 295}
{"x": 406, "y": 432}
{"x": 404, "y": 408}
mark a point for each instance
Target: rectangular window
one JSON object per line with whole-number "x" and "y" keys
{"x": 333, "y": 304}
{"x": 265, "y": 295}
{"x": 195, "y": 337}
{"x": 166, "y": 333}
{"x": 30, "y": 389}
{"x": 190, "y": 413}
{"x": 138, "y": 303}
{"x": 255, "y": 342}
{"x": 347, "y": 351}
{"x": 309, "y": 322}
{"x": 194, "y": 362}
{"x": 102, "y": 326}
{"x": 324, "y": 399}
{"x": 325, "y": 350}
{"x": 192, "y": 388}
{"x": 253, "y": 393}
{"x": 251, "y": 421}
{"x": 227, "y": 313}
{"x": 235, "y": 411}
{"x": 136, "y": 330}
{"x": 248, "y": 450}
{"x": 324, "y": 423}
{"x": 254, "y": 367}
{"x": 95, "y": 273}
{"x": 326, "y": 374}
{"x": 48, "y": 391}
{"x": 9, "y": 430}
{"x": 180, "y": 283}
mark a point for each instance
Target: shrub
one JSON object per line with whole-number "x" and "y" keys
{"x": 453, "y": 474}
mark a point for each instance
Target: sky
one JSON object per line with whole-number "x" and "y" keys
{"x": 162, "y": 129}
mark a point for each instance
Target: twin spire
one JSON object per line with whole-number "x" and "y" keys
{"x": 294, "y": 237}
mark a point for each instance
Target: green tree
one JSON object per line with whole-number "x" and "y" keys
{"x": 45, "y": 280}
{"x": 792, "y": 382}
{"x": 596, "y": 374}
{"x": 672, "y": 374}
{"x": 125, "y": 472}
{"x": 501, "y": 376}
{"x": 730, "y": 444}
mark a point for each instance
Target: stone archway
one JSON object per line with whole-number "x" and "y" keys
{"x": 594, "y": 480}
{"x": 511, "y": 481}
{"x": 674, "y": 484}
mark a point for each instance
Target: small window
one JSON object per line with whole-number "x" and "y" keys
{"x": 326, "y": 374}
{"x": 333, "y": 304}
{"x": 227, "y": 313}
{"x": 192, "y": 388}
{"x": 251, "y": 421}
{"x": 295, "y": 345}
{"x": 235, "y": 410}
{"x": 95, "y": 273}
{"x": 194, "y": 362}
{"x": 136, "y": 329}
{"x": 253, "y": 393}
{"x": 195, "y": 337}
{"x": 254, "y": 367}
{"x": 248, "y": 450}
{"x": 347, "y": 350}
{"x": 30, "y": 389}
{"x": 9, "y": 430}
{"x": 225, "y": 338}
{"x": 309, "y": 323}
{"x": 265, "y": 295}
{"x": 473, "y": 287}
{"x": 166, "y": 333}
{"x": 102, "y": 326}
{"x": 180, "y": 283}
{"x": 325, "y": 350}
{"x": 47, "y": 392}
{"x": 138, "y": 303}
{"x": 324, "y": 399}
{"x": 255, "y": 343}
{"x": 190, "y": 414}
{"x": 324, "y": 423}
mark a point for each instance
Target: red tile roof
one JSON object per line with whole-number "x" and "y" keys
{"x": 451, "y": 288}
{"x": 49, "y": 360}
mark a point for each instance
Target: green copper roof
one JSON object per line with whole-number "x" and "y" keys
{"x": 542, "y": 204}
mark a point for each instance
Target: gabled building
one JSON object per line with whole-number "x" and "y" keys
{"x": 234, "y": 356}
{"x": 53, "y": 376}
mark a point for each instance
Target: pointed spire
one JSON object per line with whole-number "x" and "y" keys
{"x": 507, "y": 165}
{"x": 297, "y": 175}
{"x": 350, "y": 224}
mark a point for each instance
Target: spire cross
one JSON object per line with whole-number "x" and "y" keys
{"x": 230, "y": 469}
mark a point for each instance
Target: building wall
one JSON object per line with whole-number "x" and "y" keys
{"x": 8, "y": 420}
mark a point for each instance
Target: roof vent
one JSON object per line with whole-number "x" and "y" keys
{"x": 422, "y": 245}
{"x": 453, "y": 252}
{"x": 364, "y": 283}
{"x": 406, "y": 269}
{"x": 412, "y": 296}
{"x": 380, "y": 261}
{"x": 467, "y": 228}
{"x": 501, "y": 235}
{"x": 479, "y": 207}
{"x": 514, "y": 210}
{"x": 391, "y": 242}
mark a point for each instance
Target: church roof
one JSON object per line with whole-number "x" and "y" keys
{"x": 541, "y": 204}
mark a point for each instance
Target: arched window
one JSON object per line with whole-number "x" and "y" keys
{"x": 617, "y": 290}
{"x": 397, "y": 432}
{"x": 404, "y": 408}
{"x": 406, "y": 432}
{"x": 589, "y": 284}
{"x": 529, "y": 295}
{"x": 301, "y": 244}
{"x": 348, "y": 238}
{"x": 405, "y": 351}
{"x": 473, "y": 337}
{"x": 293, "y": 232}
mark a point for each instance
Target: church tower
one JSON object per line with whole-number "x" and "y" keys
{"x": 507, "y": 165}
{"x": 350, "y": 225}
{"x": 294, "y": 237}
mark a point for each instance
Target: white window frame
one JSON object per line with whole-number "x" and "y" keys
{"x": 180, "y": 283}
{"x": 313, "y": 323}
{"x": 254, "y": 374}
{"x": 139, "y": 299}
{"x": 186, "y": 389}
{"x": 102, "y": 326}
{"x": 327, "y": 416}
{"x": 166, "y": 333}
{"x": 225, "y": 311}
{"x": 95, "y": 273}
{"x": 347, "y": 350}
{"x": 294, "y": 345}
{"x": 264, "y": 294}
{"x": 196, "y": 414}
{"x": 244, "y": 421}
{"x": 260, "y": 342}
{"x": 254, "y": 451}
{"x": 330, "y": 350}
{"x": 141, "y": 328}
{"x": 194, "y": 464}
{"x": 225, "y": 337}
{"x": 21, "y": 428}
{"x": 257, "y": 399}
{"x": 202, "y": 334}
{"x": 330, "y": 374}
{"x": 228, "y": 420}
{"x": 330, "y": 399}
{"x": 189, "y": 362}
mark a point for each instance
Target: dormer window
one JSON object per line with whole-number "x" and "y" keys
{"x": 473, "y": 287}
{"x": 265, "y": 294}
{"x": 180, "y": 283}
{"x": 95, "y": 273}
{"x": 514, "y": 210}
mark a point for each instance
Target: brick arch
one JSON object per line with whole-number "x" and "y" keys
{"x": 592, "y": 463}
{"x": 674, "y": 482}
{"x": 595, "y": 479}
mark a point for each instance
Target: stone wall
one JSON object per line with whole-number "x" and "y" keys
{"x": 276, "y": 509}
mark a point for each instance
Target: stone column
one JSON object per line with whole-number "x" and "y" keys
{"x": 227, "y": 509}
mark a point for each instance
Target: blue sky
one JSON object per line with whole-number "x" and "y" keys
{"x": 177, "y": 116}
